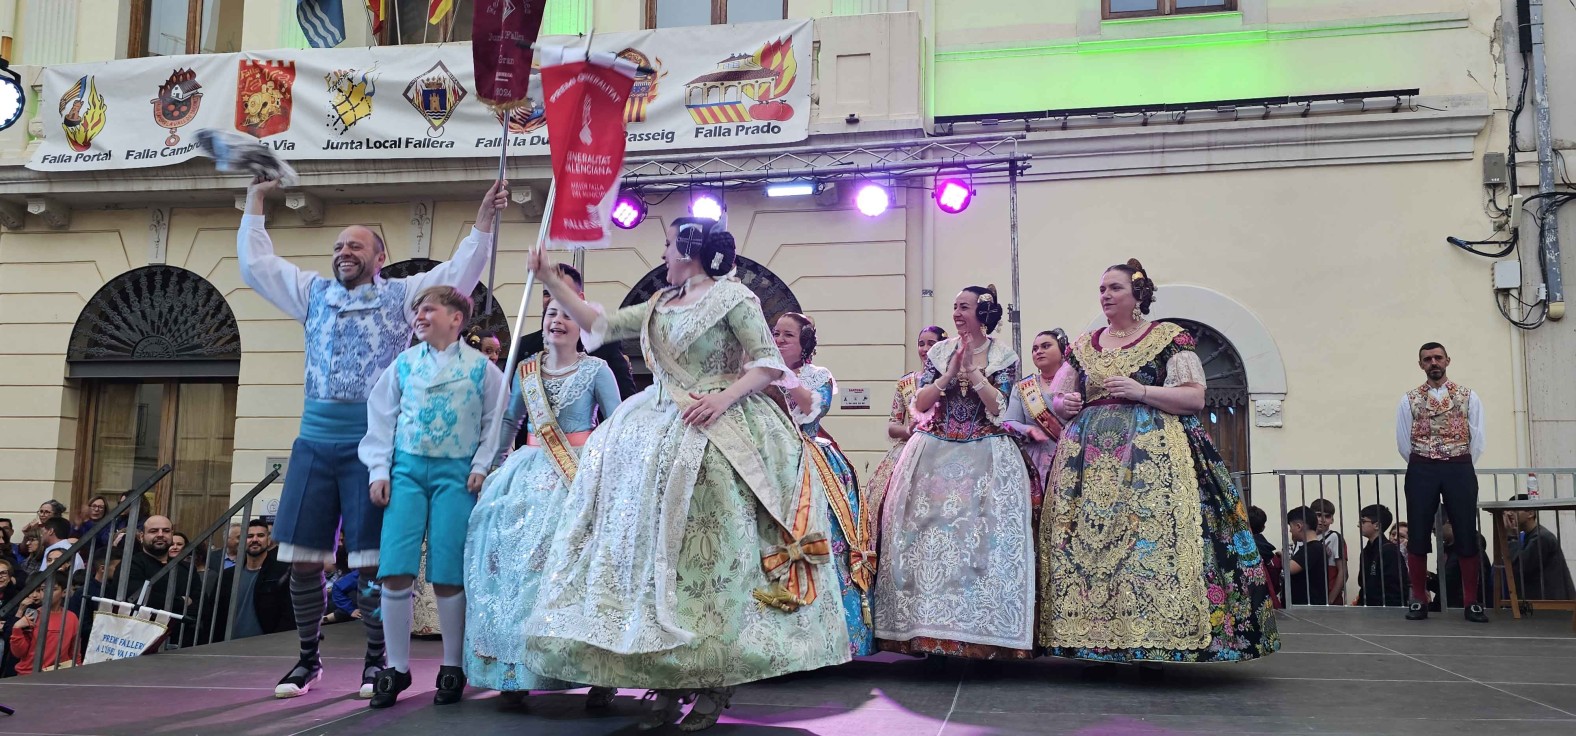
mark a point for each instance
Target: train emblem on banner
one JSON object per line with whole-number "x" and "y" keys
{"x": 83, "y": 113}
{"x": 436, "y": 94}
{"x": 179, "y": 99}
{"x": 263, "y": 96}
{"x": 764, "y": 78}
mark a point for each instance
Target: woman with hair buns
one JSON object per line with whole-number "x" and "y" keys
{"x": 900, "y": 426}
{"x": 1029, "y": 415}
{"x": 1146, "y": 554}
{"x": 691, "y": 553}
{"x": 957, "y": 554}
{"x": 852, "y": 551}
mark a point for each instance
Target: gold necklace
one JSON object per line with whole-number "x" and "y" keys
{"x": 1122, "y": 335}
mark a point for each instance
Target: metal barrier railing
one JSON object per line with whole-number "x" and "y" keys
{"x": 107, "y": 573}
{"x": 129, "y": 509}
{"x": 201, "y": 624}
{"x": 1349, "y": 491}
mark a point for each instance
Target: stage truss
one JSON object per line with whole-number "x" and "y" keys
{"x": 890, "y": 162}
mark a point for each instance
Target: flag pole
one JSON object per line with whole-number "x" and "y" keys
{"x": 519, "y": 320}
{"x": 492, "y": 263}
{"x": 530, "y": 277}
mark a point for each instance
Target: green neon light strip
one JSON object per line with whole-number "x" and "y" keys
{"x": 1222, "y": 38}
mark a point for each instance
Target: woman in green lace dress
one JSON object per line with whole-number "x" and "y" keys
{"x": 692, "y": 552}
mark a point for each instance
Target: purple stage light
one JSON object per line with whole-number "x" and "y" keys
{"x": 953, "y": 196}
{"x": 629, "y": 210}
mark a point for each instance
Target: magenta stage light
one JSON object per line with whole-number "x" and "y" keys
{"x": 629, "y": 210}
{"x": 953, "y": 196}
{"x": 706, "y": 207}
{"x": 872, "y": 199}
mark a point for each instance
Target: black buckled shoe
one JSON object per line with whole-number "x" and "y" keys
{"x": 369, "y": 676}
{"x": 451, "y": 685}
{"x": 1476, "y": 615}
{"x": 389, "y": 684}
{"x": 1416, "y": 610}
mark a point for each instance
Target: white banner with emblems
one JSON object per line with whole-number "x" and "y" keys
{"x": 707, "y": 87}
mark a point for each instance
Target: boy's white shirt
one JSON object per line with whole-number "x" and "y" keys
{"x": 377, "y": 447}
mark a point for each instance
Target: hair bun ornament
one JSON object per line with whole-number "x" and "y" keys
{"x": 716, "y": 261}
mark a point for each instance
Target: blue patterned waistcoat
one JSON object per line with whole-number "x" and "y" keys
{"x": 440, "y": 409}
{"x": 351, "y": 336}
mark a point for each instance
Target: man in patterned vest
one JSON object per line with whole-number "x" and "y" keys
{"x": 356, "y": 323}
{"x": 1439, "y": 430}
{"x": 430, "y": 440}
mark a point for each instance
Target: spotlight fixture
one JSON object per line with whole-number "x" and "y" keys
{"x": 800, "y": 188}
{"x": 872, "y": 199}
{"x": 13, "y": 100}
{"x": 953, "y": 195}
{"x": 629, "y": 210}
{"x": 706, "y": 206}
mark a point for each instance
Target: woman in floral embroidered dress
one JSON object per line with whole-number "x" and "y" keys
{"x": 558, "y": 394}
{"x": 691, "y": 554}
{"x": 1145, "y": 550}
{"x": 957, "y": 555}
{"x": 808, "y": 404}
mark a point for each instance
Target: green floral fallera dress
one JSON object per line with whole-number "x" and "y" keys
{"x": 652, "y": 577}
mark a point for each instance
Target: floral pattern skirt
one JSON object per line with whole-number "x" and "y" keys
{"x": 506, "y": 548}
{"x": 1145, "y": 549}
{"x": 861, "y": 638}
{"x": 957, "y": 557}
{"x": 657, "y": 556}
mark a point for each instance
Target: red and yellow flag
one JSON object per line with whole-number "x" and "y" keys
{"x": 378, "y": 9}
{"x": 437, "y": 9}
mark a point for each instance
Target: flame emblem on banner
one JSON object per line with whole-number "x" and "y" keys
{"x": 777, "y": 56}
{"x": 83, "y": 113}
{"x": 766, "y": 76}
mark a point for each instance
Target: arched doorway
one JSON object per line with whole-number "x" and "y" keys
{"x": 156, "y": 352}
{"x": 1227, "y": 410}
{"x": 486, "y": 315}
{"x": 774, "y": 294}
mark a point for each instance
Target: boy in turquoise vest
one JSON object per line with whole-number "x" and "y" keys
{"x": 427, "y": 450}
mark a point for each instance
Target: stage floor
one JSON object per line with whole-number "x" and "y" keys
{"x": 1340, "y": 671}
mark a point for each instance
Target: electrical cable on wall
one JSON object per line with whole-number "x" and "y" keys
{"x": 1545, "y": 213}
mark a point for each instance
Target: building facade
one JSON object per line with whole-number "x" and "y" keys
{"x": 1297, "y": 221}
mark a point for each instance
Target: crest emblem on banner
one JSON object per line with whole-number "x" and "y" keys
{"x": 179, "y": 99}
{"x": 350, "y": 93}
{"x": 435, "y": 94}
{"x": 263, "y": 97}
{"x": 765, "y": 77}
{"x": 83, "y": 113}
{"x": 645, "y": 89}
{"x": 527, "y": 118}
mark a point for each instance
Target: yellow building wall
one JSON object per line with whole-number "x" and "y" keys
{"x": 1345, "y": 265}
